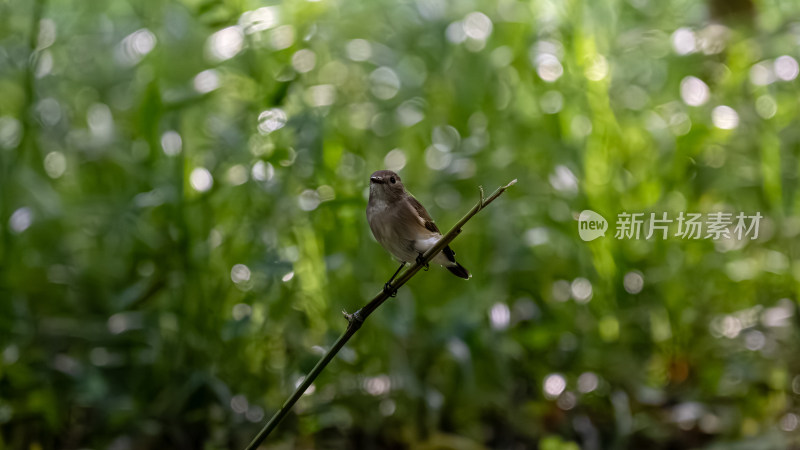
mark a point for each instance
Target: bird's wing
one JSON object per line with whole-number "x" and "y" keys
{"x": 426, "y": 221}
{"x": 422, "y": 214}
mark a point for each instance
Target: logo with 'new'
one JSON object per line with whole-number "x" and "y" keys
{"x": 591, "y": 225}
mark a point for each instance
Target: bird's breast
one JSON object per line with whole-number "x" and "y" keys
{"x": 388, "y": 230}
{"x": 377, "y": 206}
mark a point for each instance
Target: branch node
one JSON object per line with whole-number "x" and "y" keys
{"x": 355, "y": 317}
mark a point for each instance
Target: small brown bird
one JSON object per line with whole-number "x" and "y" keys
{"x": 402, "y": 225}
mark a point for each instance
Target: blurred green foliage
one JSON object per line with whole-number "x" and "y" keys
{"x": 183, "y": 186}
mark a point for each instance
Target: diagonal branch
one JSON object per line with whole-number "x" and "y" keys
{"x": 356, "y": 319}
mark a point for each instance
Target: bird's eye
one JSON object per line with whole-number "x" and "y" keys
{"x": 392, "y": 180}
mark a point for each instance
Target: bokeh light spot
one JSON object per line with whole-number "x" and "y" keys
{"x": 271, "y": 120}
{"x": 304, "y": 60}
{"x": 358, "y": 50}
{"x": 387, "y": 407}
{"x": 567, "y": 401}
{"x": 377, "y": 385}
{"x": 437, "y": 159}
{"x": 536, "y": 236}
{"x": 786, "y": 68}
{"x": 384, "y": 83}
{"x": 254, "y": 414}
{"x": 694, "y": 91}
{"x": 55, "y": 164}
{"x": 410, "y": 112}
{"x": 171, "y": 143}
{"x": 321, "y": 95}
{"x": 477, "y": 25}
{"x": 282, "y": 37}
{"x": 766, "y": 107}
{"x": 562, "y": 179}
{"x": 587, "y": 382}
{"x": 225, "y": 44}
{"x": 395, "y": 160}
{"x": 684, "y": 41}
{"x": 262, "y": 171}
{"x": 761, "y": 74}
{"x": 308, "y": 200}
{"x": 548, "y": 67}
{"x": 581, "y": 290}
{"x": 206, "y": 81}
{"x": 201, "y": 179}
{"x": 100, "y": 120}
{"x": 561, "y": 290}
{"x": 754, "y": 340}
{"x": 554, "y": 384}
{"x": 551, "y": 102}
{"x": 455, "y": 33}
{"x": 633, "y": 282}
{"x": 47, "y": 34}
{"x": 240, "y": 273}
{"x": 260, "y": 19}
{"x": 239, "y": 404}
{"x": 499, "y": 316}
{"x": 10, "y": 132}
{"x": 725, "y": 117}
{"x": 598, "y": 69}
{"x": 236, "y": 175}
{"x": 789, "y": 422}
{"x": 49, "y": 111}
{"x": 581, "y": 126}
{"x": 136, "y": 46}
{"x": 21, "y": 219}
{"x": 241, "y": 311}
{"x": 445, "y": 138}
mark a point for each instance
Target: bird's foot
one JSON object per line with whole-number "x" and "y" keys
{"x": 419, "y": 261}
{"x": 387, "y": 289}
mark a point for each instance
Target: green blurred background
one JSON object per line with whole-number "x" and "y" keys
{"x": 183, "y": 186}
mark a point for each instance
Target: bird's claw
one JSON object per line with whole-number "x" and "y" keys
{"x": 387, "y": 289}
{"x": 419, "y": 261}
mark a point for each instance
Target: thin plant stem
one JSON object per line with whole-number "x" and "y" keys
{"x": 355, "y": 320}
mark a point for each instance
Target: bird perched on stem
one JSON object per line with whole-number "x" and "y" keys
{"x": 402, "y": 225}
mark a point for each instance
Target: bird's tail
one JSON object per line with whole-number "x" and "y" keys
{"x": 459, "y": 270}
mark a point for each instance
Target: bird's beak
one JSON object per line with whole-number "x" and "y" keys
{"x": 377, "y": 180}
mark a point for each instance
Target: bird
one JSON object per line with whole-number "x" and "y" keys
{"x": 403, "y": 226}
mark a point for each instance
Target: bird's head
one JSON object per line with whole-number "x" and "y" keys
{"x": 385, "y": 185}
